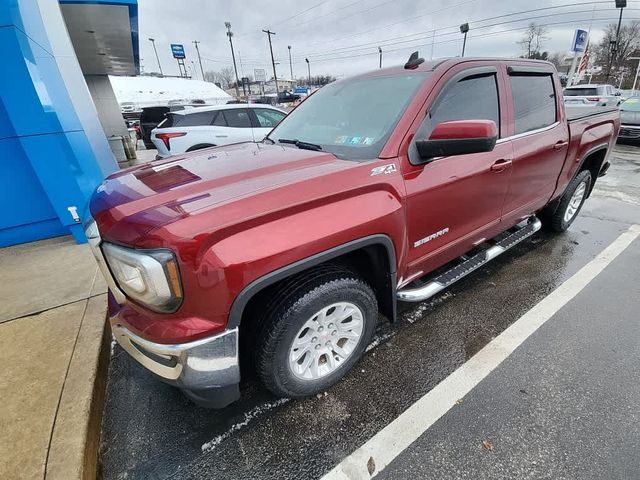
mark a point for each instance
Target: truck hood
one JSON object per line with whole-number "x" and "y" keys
{"x": 629, "y": 118}
{"x": 139, "y": 199}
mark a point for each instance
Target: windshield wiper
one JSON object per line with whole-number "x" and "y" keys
{"x": 301, "y": 145}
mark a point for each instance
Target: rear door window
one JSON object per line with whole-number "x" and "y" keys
{"x": 196, "y": 119}
{"x": 237, "y": 117}
{"x": 219, "y": 121}
{"x": 534, "y": 101}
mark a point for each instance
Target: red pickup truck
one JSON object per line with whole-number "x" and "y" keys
{"x": 383, "y": 187}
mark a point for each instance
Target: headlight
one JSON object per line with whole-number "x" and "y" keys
{"x": 149, "y": 276}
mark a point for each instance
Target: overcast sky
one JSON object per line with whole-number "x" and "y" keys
{"x": 341, "y": 37}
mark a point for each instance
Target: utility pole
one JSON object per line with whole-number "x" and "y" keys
{"x": 233, "y": 55}
{"x": 635, "y": 79}
{"x": 153, "y": 42}
{"x": 615, "y": 43}
{"x": 195, "y": 42}
{"x": 273, "y": 62}
{"x": 464, "y": 28}
{"x": 380, "y": 52}
{"x": 309, "y": 70}
{"x": 290, "y": 64}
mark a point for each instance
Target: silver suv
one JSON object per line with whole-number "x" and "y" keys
{"x": 592, "y": 96}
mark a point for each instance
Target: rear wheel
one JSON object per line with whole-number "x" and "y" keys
{"x": 316, "y": 334}
{"x": 570, "y": 203}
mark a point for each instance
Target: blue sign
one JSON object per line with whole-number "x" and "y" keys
{"x": 300, "y": 90}
{"x": 177, "y": 50}
{"x": 579, "y": 41}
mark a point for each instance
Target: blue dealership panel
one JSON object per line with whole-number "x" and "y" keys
{"x": 48, "y": 166}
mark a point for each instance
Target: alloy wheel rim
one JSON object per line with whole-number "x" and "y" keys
{"x": 326, "y": 341}
{"x": 575, "y": 202}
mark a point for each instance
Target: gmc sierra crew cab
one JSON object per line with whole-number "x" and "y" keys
{"x": 384, "y": 187}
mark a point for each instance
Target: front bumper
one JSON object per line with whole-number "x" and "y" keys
{"x": 629, "y": 132}
{"x": 207, "y": 370}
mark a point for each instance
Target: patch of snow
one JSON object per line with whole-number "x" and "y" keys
{"x": 379, "y": 339}
{"x": 248, "y": 417}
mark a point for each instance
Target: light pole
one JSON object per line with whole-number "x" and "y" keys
{"x": 464, "y": 28}
{"x": 153, "y": 42}
{"x": 195, "y": 42}
{"x": 380, "y": 52}
{"x": 273, "y": 62}
{"x": 635, "y": 80}
{"x": 233, "y": 56}
{"x": 309, "y": 71}
{"x": 615, "y": 43}
{"x": 290, "y": 64}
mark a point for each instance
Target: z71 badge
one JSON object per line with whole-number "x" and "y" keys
{"x": 391, "y": 168}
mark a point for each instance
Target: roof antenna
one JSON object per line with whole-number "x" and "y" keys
{"x": 413, "y": 61}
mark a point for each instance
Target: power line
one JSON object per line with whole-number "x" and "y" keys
{"x": 404, "y": 36}
{"x": 411, "y": 47}
{"x": 424, "y": 35}
{"x": 299, "y": 13}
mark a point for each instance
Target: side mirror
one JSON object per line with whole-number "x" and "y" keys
{"x": 618, "y": 94}
{"x": 458, "y": 138}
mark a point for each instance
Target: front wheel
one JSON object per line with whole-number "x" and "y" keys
{"x": 316, "y": 334}
{"x": 571, "y": 202}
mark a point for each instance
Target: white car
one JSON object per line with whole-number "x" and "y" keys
{"x": 210, "y": 126}
{"x": 592, "y": 96}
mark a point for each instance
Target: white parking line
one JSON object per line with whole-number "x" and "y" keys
{"x": 389, "y": 442}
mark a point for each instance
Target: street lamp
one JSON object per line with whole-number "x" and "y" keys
{"x": 614, "y": 43}
{"x": 233, "y": 56}
{"x": 153, "y": 42}
{"x": 308, "y": 70}
{"x": 380, "y": 52}
{"x": 464, "y": 28}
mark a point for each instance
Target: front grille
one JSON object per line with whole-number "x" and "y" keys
{"x": 630, "y": 132}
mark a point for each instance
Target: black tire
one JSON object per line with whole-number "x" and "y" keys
{"x": 285, "y": 317}
{"x": 556, "y": 220}
{"x": 200, "y": 146}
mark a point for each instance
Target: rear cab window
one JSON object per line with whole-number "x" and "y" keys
{"x": 534, "y": 101}
{"x": 580, "y": 92}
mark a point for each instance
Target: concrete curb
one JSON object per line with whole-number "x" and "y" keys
{"x": 73, "y": 451}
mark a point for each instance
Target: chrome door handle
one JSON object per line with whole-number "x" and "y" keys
{"x": 560, "y": 145}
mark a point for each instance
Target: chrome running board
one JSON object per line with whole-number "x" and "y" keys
{"x": 470, "y": 264}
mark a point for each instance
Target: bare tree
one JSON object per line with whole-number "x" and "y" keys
{"x": 532, "y": 41}
{"x": 628, "y": 43}
{"x": 227, "y": 76}
{"x": 211, "y": 76}
{"x": 557, "y": 59}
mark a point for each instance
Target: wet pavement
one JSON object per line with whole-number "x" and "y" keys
{"x": 151, "y": 431}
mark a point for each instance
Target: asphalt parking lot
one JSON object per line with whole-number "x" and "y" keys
{"x": 563, "y": 405}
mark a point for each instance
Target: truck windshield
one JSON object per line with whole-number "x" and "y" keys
{"x": 351, "y": 119}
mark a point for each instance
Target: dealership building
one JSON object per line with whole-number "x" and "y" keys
{"x": 58, "y": 109}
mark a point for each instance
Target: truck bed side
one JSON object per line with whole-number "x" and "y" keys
{"x": 591, "y": 131}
